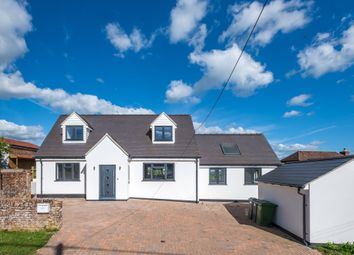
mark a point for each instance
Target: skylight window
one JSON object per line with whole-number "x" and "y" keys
{"x": 230, "y": 149}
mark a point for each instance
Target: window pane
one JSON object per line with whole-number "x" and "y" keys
{"x": 163, "y": 133}
{"x": 213, "y": 176}
{"x": 69, "y": 133}
{"x": 79, "y": 133}
{"x": 60, "y": 173}
{"x": 222, "y": 176}
{"x": 158, "y": 171}
{"x": 170, "y": 171}
{"x": 68, "y": 172}
{"x": 74, "y": 132}
{"x": 147, "y": 171}
{"x": 230, "y": 149}
{"x": 158, "y": 133}
{"x": 168, "y": 133}
{"x": 251, "y": 174}
{"x": 76, "y": 171}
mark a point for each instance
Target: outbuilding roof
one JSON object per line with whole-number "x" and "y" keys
{"x": 307, "y": 155}
{"x": 254, "y": 149}
{"x": 22, "y": 144}
{"x": 298, "y": 174}
{"x": 132, "y": 132}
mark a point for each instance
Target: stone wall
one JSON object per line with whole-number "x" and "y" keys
{"x": 15, "y": 183}
{"x": 21, "y": 214}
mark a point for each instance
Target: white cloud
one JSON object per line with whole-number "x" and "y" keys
{"x": 278, "y": 17}
{"x": 15, "y": 22}
{"x": 249, "y": 75}
{"x": 14, "y": 86}
{"x": 198, "y": 39}
{"x": 99, "y": 80}
{"x": 70, "y": 78}
{"x": 300, "y": 100}
{"x": 283, "y": 150}
{"x": 328, "y": 54}
{"x": 178, "y": 91}
{"x": 292, "y": 113}
{"x": 185, "y": 18}
{"x": 21, "y": 132}
{"x": 218, "y": 130}
{"x": 217, "y": 64}
{"x": 123, "y": 42}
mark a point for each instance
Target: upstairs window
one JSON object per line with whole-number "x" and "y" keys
{"x": 251, "y": 175}
{"x": 68, "y": 172}
{"x": 230, "y": 149}
{"x": 74, "y": 133}
{"x": 159, "y": 172}
{"x": 163, "y": 133}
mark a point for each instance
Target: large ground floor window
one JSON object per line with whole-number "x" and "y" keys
{"x": 159, "y": 172}
{"x": 68, "y": 171}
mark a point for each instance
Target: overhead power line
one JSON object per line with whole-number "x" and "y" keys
{"x": 229, "y": 77}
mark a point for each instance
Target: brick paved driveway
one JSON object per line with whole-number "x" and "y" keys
{"x": 158, "y": 227}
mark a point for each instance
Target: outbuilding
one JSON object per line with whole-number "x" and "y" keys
{"x": 314, "y": 197}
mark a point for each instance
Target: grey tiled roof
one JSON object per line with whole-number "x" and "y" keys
{"x": 254, "y": 150}
{"x": 132, "y": 132}
{"x": 298, "y": 174}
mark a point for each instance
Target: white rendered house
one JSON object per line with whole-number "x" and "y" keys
{"x": 314, "y": 198}
{"x": 117, "y": 157}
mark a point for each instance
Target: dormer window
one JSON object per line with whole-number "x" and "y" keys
{"x": 163, "y": 130}
{"x": 163, "y": 133}
{"x": 74, "y": 133}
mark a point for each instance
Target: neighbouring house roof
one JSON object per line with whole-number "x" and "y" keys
{"x": 306, "y": 155}
{"x": 254, "y": 150}
{"x": 298, "y": 174}
{"x": 20, "y": 149}
{"x": 16, "y": 143}
{"x": 132, "y": 132}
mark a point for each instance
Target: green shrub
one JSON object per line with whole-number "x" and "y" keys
{"x": 336, "y": 249}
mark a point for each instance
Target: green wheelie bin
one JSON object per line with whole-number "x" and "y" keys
{"x": 265, "y": 212}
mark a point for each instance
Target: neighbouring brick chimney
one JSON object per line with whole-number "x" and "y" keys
{"x": 345, "y": 152}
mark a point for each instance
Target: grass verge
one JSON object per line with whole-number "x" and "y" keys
{"x": 336, "y": 249}
{"x": 23, "y": 242}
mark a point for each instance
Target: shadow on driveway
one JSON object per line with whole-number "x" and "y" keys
{"x": 240, "y": 212}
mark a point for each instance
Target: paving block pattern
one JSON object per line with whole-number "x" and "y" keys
{"x": 160, "y": 227}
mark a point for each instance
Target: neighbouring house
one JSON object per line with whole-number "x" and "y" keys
{"x": 307, "y": 155}
{"x": 21, "y": 154}
{"x": 314, "y": 198}
{"x": 117, "y": 157}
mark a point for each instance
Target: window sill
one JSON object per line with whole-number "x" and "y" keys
{"x": 67, "y": 180}
{"x": 158, "y": 180}
{"x": 218, "y": 184}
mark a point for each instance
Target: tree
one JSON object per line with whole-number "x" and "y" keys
{"x": 4, "y": 149}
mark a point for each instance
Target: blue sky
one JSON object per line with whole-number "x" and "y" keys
{"x": 294, "y": 84}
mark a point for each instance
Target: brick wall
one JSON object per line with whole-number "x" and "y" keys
{"x": 21, "y": 214}
{"x": 15, "y": 183}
